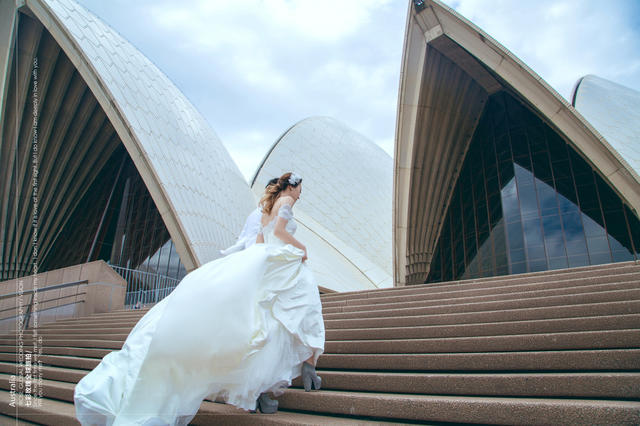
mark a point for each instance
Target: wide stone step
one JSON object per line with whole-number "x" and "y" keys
{"x": 63, "y": 333}
{"x": 353, "y": 305}
{"x": 574, "y": 360}
{"x": 416, "y": 407}
{"x": 212, "y": 413}
{"x": 51, "y": 412}
{"x": 105, "y": 317}
{"x": 628, "y": 295}
{"x": 51, "y": 389}
{"x": 603, "y": 385}
{"x": 61, "y": 350}
{"x": 97, "y": 332}
{"x": 423, "y": 406}
{"x": 61, "y": 374}
{"x": 87, "y": 323}
{"x": 78, "y": 343}
{"x": 57, "y": 409}
{"x": 608, "y": 339}
{"x": 571, "y": 360}
{"x": 576, "y": 385}
{"x": 561, "y": 346}
{"x": 121, "y": 312}
{"x": 461, "y": 409}
{"x": 551, "y": 312}
{"x": 13, "y": 421}
{"x": 500, "y": 315}
{"x": 471, "y": 287}
{"x": 612, "y": 339}
{"x": 488, "y": 329}
{"x": 493, "y": 282}
{"x": 409, "y": 319}
{"x": 574, "y": 299}
{"x": 481, "y": 329}
{"x": 69, "y": 361}
{"x": 589, "y": 309}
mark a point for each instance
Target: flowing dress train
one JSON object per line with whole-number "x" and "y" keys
{"x": 233, "y": 328}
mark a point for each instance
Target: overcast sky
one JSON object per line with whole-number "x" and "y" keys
{"x": 254, "y": 68}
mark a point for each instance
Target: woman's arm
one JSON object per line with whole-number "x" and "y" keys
{"x": 280, "y": 231}
{"x": 260, "y": 238}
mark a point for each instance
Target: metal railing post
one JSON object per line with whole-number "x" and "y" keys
{"x": 145, "y": 287}
{"x": 27, "y": 315}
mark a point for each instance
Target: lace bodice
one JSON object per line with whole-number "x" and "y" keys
{"x": 267, "y": 231}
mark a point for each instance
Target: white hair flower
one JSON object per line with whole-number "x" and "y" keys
{"x": 294, "y": 179}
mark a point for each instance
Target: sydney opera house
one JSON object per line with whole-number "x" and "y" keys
{"x": 129, "y": 172}
{"x": 512, "y": 178}
{"x": 494, "y": 173}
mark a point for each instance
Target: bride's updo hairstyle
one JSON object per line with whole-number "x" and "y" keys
{"x": 273, "y": 190}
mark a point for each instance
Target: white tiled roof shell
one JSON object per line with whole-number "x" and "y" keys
{"x": 614, "y": 111}
{"x": 347, "y": 189}
{"x": 205, "y": 188}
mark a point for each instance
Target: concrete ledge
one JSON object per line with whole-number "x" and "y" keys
{"x": 104, "y": 291}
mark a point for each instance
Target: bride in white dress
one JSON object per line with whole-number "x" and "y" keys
{"x": 236, "y": 328}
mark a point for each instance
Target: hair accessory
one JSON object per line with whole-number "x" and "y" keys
{"x": 294, "y": 179}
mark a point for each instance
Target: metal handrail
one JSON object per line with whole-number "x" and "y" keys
{"x": 27, "y": 315}
{"x": 143, "y": 287}
{"x": 53, "y": 287}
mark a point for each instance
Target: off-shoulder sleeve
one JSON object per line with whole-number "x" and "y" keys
{"x": 285, "y": 212}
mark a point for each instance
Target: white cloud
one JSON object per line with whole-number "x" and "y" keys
{"x": 248, "y": 148}
{"x": 252, "y": 37}
{"x": 256, "y": 67}
{"x": 328, "y": 20}
{"x": 564, "y": 40}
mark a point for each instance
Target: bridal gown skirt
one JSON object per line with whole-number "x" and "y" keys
{"x": 233, "y": 328}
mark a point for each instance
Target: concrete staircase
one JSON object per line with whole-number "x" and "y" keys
{"x": 557, "y": 347}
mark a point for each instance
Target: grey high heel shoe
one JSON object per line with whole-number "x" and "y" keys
{"x": 310, "y": 379}
{"x": 266, "y": 405}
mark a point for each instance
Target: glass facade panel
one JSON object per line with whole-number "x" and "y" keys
{"x": 144, "y": 242}
{"x": 525, "y": 201}
{"x": 634, "y": 229}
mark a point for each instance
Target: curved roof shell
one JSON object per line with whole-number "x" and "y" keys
{"x": 344, "y": 212}
{"x": 198, "y": 189}
{"x": 450, "y": 68}
{"x": 614, "y": 110}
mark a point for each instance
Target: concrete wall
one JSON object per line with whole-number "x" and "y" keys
{"x": 104, "y": 291}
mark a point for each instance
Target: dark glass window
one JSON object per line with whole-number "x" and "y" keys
{"x": 526, "y": 201}
{"x": 117, "y": 221}
{"x": 145, "y": 243}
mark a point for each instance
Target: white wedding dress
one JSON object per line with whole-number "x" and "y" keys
{"x": 233, "y": 328}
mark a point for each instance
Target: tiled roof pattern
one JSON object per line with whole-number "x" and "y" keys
{"x": 347, "y": 183}
{"x": 205, "y": 187}
{"x": 614, "y": 111}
